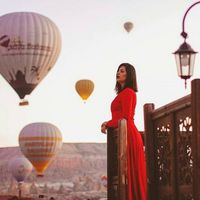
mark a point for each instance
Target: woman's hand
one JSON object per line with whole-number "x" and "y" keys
{"x": 103, "y": 127}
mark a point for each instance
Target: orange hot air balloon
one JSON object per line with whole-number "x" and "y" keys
{"x": 30, "y": 44}
{"x": 128, "y": 26}
{"x": 40, "y": 142}
{"x": 84, "y": 88}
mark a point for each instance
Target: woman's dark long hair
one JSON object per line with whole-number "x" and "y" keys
{"x": 131, "y": 79}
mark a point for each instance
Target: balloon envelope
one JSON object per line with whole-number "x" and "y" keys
{"x": 104, "y": 180}
{"x": 20, "y": 168}
{"x": 29, "y": 47}
{"x": 40, "y": 142}
{"x": 84, "y": 88}
{"x": 128, "y": 26}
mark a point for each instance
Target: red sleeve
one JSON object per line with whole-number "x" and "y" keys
{"x": 113, "y": 123}
{"x": 127, "y": 100}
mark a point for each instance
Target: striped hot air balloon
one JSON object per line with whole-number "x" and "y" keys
{"x": 29, "y": 47}
{"x": 84, "y": 88}
{"x": 40, "y": 142}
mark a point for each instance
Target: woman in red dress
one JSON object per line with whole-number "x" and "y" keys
{"x": 123, "y": 106}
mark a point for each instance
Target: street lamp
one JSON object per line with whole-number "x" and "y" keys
{"x": 185, "y": 55}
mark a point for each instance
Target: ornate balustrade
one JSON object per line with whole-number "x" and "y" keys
{"x": 172, "y": 141}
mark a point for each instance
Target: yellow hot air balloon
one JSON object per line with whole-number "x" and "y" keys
{"x": 128, "y": 26}
{"x": 40, "y": 142}
{"x": 84, "y": 88}
{"x": 30, "y": 44}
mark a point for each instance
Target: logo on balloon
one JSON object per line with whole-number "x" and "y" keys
{"x": 19, "y": 47}
{"x": 4, "y": 41}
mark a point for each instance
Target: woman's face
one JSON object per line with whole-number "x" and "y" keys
{"x": 121, "y": 75}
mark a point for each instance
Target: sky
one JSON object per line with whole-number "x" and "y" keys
{"x": 94, "y": 44}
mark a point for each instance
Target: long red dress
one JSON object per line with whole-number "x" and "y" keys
{"x": 123, "y": 106}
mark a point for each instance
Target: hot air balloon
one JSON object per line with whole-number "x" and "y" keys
{"x": 40, "y": 142}
{"x": 29, "y": 47}
{"x": 128, "y": 26}
{"x": 84, "y": 88}
{"x": 20, "y": 168}
{"x": 104, "y": 180}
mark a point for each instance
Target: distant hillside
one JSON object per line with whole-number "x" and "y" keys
{"x": 79, "y": 166}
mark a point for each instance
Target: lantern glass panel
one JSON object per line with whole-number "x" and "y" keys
{"x": 192, "y": 59}
{"x": 178, "y": 64}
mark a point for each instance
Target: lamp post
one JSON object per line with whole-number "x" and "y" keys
{"x": 185, "y": 55}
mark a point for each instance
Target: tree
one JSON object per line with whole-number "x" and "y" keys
{"x": 33, "y": 189}
{"x": 61, "y": 189}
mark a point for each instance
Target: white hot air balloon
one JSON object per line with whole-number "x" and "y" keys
{"x": 104, "y": 180}
{"x": 40, "y": 142}
{"x": 20, "y": 168}
{"x": 29, "y": 47}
